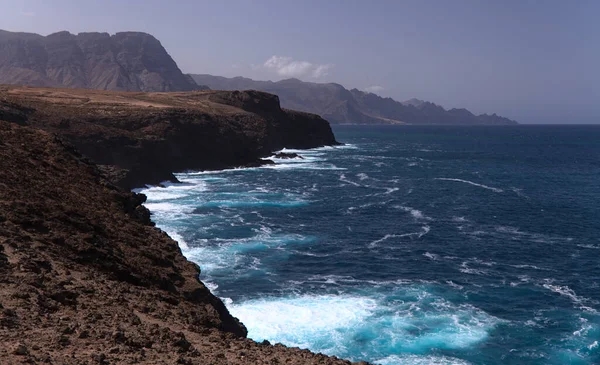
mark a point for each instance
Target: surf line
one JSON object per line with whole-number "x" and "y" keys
{"x": 497, "y": 190}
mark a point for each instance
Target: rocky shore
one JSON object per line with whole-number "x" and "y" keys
{"x": 142, "y": 138}
{"x": 85, "y": 278}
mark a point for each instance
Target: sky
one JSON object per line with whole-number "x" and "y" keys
{"x": 533, "y": 61}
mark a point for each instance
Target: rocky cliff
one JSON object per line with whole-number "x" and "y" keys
{"x": 86, "y": 279}
{"x": 340, "y": 105}
{"x": 127, "y": 61}
{"x": 142, "y": 138}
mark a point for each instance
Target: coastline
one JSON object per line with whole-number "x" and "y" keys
{"x": 87, "y": 278}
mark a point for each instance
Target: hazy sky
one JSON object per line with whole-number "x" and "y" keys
{"x": 534, "y": 61}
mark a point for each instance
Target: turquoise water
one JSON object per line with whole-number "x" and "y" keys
{"x": 409, "y": 245}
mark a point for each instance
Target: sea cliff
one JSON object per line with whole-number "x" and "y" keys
{"x": 142, "y": 138}
{"x": 85, "y": 276}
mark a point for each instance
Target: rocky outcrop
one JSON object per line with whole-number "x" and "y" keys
{"x": 127, "y": 61}
{"x": 142, "y": 138}
{"x": 86, "y": 279}
{"x": 340, "y": 105}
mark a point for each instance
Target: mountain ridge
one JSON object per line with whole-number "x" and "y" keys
{"x": 339, "y": 105}
{"x": 124, "y": 61}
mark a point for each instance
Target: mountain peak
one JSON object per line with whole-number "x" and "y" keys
{"x": 414, "y": 102}
{"x": 125, "y": 61}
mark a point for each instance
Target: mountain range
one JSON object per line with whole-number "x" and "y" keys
{"x": 126, "y": 61}
{"x": 136, "y": 61}
{"x": 342, "y": 106}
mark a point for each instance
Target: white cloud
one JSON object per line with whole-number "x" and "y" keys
{"x": 321, "y": 70}
{"x": 288, "y": 67}
{"x": 27, "y": 13}
{"x": 375, "y": 89}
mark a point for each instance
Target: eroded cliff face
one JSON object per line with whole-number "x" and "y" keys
{"x": 80, "y": 256}
{"x": 142, "y": 138}
{"x": 127, "y": 61}
{"x": 86, "y": 279}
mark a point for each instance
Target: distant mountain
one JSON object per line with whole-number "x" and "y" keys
{"x": 127, "y": 61}
{"x": 340, "y": 105}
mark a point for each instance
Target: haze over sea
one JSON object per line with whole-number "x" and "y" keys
{"x": 408, "y": 245}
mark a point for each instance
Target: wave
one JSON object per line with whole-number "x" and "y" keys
{"x": 565, "y": 291}
{"x": 249, "y": 203}
{"x": 214, "y": 255}
{"x": 345, "y": 179}
{"x": 410, "y": 321}
{"x": 417, "y": 214}
{"x": 464, "y": 268}
{"x": 432, "y": 256}
{"x": 519, "y": 192}
{"x": 347, "y": 146}
{"x": 178, "y": 238}
{"x": 386, "y": 237}
{"x": 593, "y": 247}
{"x": 424, "y": 230}
{"x": 300, "y": 166}
{"x": 496, "y": 190}
{"x": 419, "y": 360}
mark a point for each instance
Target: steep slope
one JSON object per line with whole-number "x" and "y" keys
{"x": 127, "y": 61}
{"x": 86, "y": 279}
{"x": 142, "y": 138}
{"x": 339, "y": 105}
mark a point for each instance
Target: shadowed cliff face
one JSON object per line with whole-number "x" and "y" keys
{"x": 142, "y": 138}
{"x": 86, "y": 279}
{"x": 127, "y": 61}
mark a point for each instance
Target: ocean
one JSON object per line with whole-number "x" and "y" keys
{"x": 407, "y": 245}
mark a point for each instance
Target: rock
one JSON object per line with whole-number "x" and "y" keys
{"x": 21, "y": 350}
{"x": 287, "y": 155}
{"x": 182, "y": 343}
{"x": 118, "y": 264}
{"x": 136, "y": 145}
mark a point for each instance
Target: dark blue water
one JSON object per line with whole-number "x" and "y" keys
{"x": 410, "y": 245}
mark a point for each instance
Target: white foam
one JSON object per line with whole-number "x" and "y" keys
{"x": 386, "y": 237}
{"x": 431, "y": 256}
{"x": 464, "y": 268}
{"x": 417, "y": 214}
{"x": 301, "y": 321}
{"x": 589, "y": 246}
{"x": 454, "y": 285}
{"x": 345, "y": 179}
{"x": 565, "y": 291}
{"x": 497, "y": 190}
{"x": 302, "y": 166}
{"x": 165, "y": 207}
{"x": 211, "y": 286}
{"x": 390, "y": 190}
{"x": 420, "y": 360}
{"x": 352, "y": 325}
{"x": 362, "y": 176}
{"x": 424, "y": 230}
{"x": 177, "y": 237}
{"x": 519, "y": 192}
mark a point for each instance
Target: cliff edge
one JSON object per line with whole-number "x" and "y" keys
{"x": 86, "y": 279}
{"x": 142, "y": 138}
